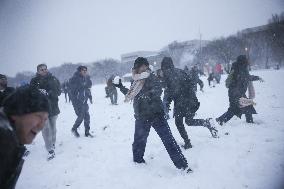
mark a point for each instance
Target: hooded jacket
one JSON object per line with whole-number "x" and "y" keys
{"x": 79, "y": 87}
{"x": 179, "y": 88}
{"x": 147, "y": 103}
{"x": 239, "y": 85}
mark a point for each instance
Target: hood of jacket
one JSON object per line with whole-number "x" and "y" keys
{"x": 167, "y": 63}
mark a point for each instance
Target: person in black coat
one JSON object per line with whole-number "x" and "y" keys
{"x": 145, "y": 92}
{"x": 4, "y": 89}
{"x": 210, "y": 78}
{"x": 180, "y": 89}
{"x": 194, "y": 75}
{"x": 49, "y": 84}
{"x": 238, "y": 85}
{"x": 80, "y": 85}
{"x": 22, "y": 117}
{"x": 65, "y": 90}
{"x": 111, "y": 91}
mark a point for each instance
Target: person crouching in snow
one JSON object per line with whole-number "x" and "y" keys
{"x": 145, "y": 92}
{"x": 238, "y": 82}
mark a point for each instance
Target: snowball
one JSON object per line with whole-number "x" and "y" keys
{"x": 116, "y": 80}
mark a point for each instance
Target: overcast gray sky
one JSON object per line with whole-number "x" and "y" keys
{"x": 58, "y": 31}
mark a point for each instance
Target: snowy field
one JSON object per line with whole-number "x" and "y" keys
{"x": 249, "y": 156}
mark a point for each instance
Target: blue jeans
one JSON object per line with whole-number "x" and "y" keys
{"x": 142, "y": 129}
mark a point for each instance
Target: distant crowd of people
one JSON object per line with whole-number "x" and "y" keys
{"x": 32, "y": 108}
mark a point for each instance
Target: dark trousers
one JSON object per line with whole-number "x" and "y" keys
{"x": 200, "y": 83}
{"x": 65, "y": 93}
{"x": 142, "y": 129}
{"x": 209, "y": 82}
{"x": 190, "y": 122}
{"x": 113, "y": 98}
{"x": 166, "y": 111}
{"x": 230, "y": 114}
{"x": 82, "y": 112}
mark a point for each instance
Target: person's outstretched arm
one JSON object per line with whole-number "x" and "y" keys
{"x": 122, "y": 88}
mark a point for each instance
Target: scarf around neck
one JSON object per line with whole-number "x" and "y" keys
{"x": 137, "y": 85}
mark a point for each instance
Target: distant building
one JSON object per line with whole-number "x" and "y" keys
{"x": 154, "y": 57}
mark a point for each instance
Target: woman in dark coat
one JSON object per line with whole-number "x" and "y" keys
{"x": 238, "y": 85}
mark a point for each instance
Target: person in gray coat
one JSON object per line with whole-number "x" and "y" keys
{"x": 50, "y": 85}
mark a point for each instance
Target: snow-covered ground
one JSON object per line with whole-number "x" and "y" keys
{"x": 250, "y": 156}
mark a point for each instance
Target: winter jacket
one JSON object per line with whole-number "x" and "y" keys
{"x": 11, "y": 154}
{"x": 194, "y": 76}
{"x": 180, "y": 89}
{"x": 52, "y": 86}
{"x": 79, "y": 88}
{"x": 110, "y": 88}
{"x": 65, "y": 87}
{"x": 5, "y": 93}
{"x": 147, "y": 103}
{"x": 240, "y": 79}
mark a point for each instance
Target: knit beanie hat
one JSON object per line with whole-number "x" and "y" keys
{"x": 79, "y": 68}
{"x": 139, "y": 62}
{"x": 25, "y": 100}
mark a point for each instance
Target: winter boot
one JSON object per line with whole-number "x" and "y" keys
{"x": 187, "y": 145}
{"x": 189, "y": 170}
{"x": 249, "y": 118}
{"x": 51, "y": 155}
{"x": 88, "y": 134}
{"x": 75, "y": 132}
{"x": 140, "y": 161}
{"x": 210, "y": 125}
{"x": 186, "y": 169}
{"x": 27, "y": 152}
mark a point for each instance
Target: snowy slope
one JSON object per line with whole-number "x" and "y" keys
{"x": 251, "y": 156}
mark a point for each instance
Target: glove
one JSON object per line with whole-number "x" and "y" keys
{"x": 261, "y": 80}
{"x": 119, "y": 85}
